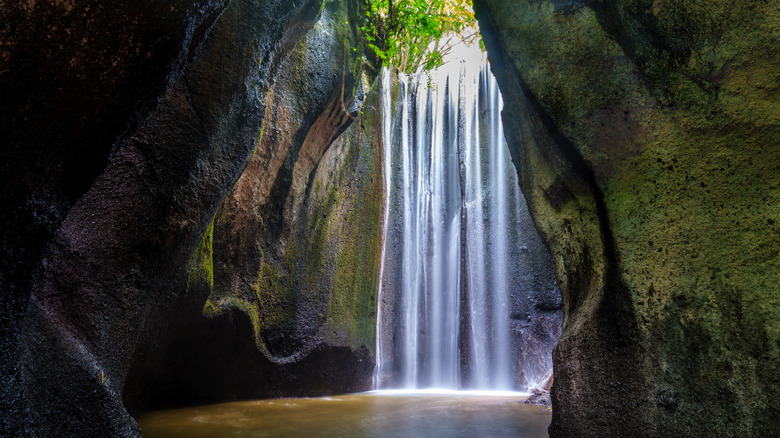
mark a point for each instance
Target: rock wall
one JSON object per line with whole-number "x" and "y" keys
{"x": 74, "y": 76}
{"x": 303, "y": 222}
{"x": 645, "y": 135}
{"x": 287, "y": 269}
{"x": 121, "y": 145}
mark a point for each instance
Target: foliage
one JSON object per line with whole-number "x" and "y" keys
{"x": 414, "y": 34}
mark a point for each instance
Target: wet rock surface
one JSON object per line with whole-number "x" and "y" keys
{"x": 111, "y": 191}
{"x": 539, "y": 397}
{"x": 74, "y": 78}
{"x": 644, "y": 134}
{"x": 286, "y": 270}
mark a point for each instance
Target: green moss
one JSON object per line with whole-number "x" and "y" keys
{"x": 352, "y": 305}
{"x": 252, "y": 312}
{"x": 210, "y": 309}
{"x": 275, "y": 295}
{"x": 675, "y": 107}
{"x": 201, "y": 266}
{"x": 312, "y": 261}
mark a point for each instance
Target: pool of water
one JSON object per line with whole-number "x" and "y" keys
{"x": 371, "y": 414}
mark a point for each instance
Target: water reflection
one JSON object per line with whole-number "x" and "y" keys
{"x": 374, "y": 414}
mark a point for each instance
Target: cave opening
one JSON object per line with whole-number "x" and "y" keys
{"x": 194, "y": 212}
{"x": 466, "y": 308}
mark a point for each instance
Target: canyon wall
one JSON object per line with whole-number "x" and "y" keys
{"x": 287, "y": 269}
{"x": 645, "y": 135}
{"x": 179, "y": 226}
{"x": 124, "y": 127}
{"x": 74, "y": 76}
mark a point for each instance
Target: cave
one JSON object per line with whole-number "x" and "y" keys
{"x": 250, "y": 205}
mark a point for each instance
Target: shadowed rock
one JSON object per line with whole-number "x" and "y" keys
{"x": 285, "y": 274}
{"x": 114, "y": 260}
{"x": 645, "y": 137}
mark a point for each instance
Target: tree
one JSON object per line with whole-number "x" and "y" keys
{"x": 414, "y": 34}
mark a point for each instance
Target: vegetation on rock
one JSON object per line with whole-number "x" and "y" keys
{"x": 410, "y": 34}
{"x": 645, "y": 138}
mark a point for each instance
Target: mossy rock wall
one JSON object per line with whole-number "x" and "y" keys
{"x": 290, "y": 262}
{"x": 298, "y": 237}
{"x": 111, "y": 281}
{"x": 647, "y": 139}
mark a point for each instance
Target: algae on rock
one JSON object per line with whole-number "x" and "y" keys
{"x": 296, "y": 242}
{"x": 646, "y": 140}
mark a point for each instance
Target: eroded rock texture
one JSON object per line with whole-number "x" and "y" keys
{"x": 74, "y": 76}
{"x": 108, "y": 191}
{"x": 298, "y": 237}
{"x": 286, "y": 271}
{"x": 646, "y": 137}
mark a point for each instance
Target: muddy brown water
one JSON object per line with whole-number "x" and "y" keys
{"x": 373, "y": 414}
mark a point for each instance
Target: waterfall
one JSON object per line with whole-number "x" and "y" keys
{"x": 456, "y": 297}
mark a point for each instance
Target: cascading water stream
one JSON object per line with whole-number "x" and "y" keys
{"x": 487, "y": 234}
{"x": 455, "y": 303}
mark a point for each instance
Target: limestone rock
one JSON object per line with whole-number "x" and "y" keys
{"x": 286, "y": 272}
{"x": 645, "y": 134}
{"x": 117, "y": 235}
{"x": 75, "y": 76}
{"x": 539, "y": 397}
